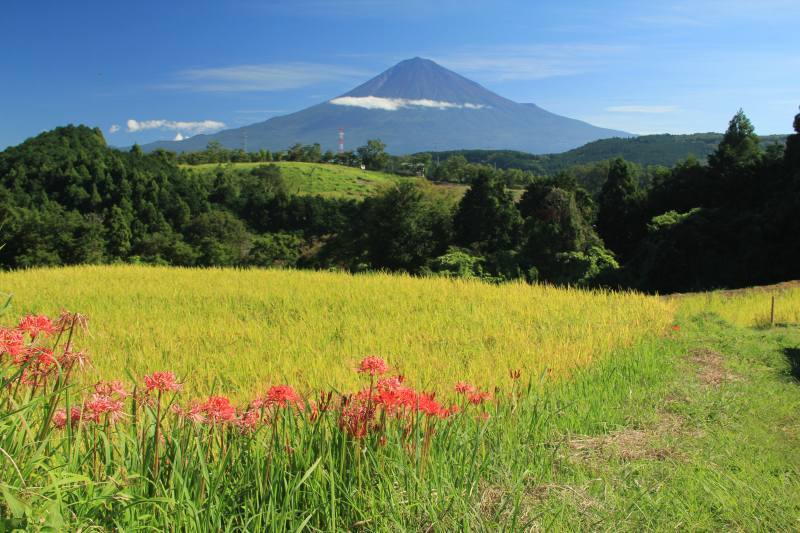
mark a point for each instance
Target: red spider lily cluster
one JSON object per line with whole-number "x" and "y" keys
{"x": 25, "y": 348}
{"x": 161, "y": 382}
{"x": 368, "y": 412}
{"x": 374, "y": 366}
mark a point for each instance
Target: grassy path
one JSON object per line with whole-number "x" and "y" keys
{"x": 717, "y": 448}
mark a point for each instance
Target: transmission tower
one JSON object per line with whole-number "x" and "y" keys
{"x": 341, "y": 140}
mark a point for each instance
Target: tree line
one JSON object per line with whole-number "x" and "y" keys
{"x": 68, "y": 198}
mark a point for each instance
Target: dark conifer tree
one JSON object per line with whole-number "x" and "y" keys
{"x": 618, "y": 211}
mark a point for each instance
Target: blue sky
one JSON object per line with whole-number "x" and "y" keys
{"x": 161, "y": 69}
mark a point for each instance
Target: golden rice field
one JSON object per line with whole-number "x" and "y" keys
{"x": 750, "y": 307}
{"x": 237, "y": 331}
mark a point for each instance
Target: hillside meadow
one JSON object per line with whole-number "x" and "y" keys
{"x": 327, "y": 180}
{"x": 237, "y": 331}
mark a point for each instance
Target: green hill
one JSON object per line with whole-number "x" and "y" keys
{"x": 644, "y": 150}
{"x": 315, "y": 178}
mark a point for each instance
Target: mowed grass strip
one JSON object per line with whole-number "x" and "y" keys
{"x": 237, "y": 331}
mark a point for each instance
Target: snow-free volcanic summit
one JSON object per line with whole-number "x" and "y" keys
{"x": 417, "y": 105}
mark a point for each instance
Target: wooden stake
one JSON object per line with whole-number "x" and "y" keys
{"x": 772, "y": 312}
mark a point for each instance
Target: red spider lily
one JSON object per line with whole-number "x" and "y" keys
{"x": 44, "y": 358}
{"x": 428, "y": 405}
{"x": 69, "y": 359}
{"x": 390, "y": 383}
{"x": 40, "y": 361}
{"x": 479, "y": 397}
{"x": 101, "y": 404}
{"x": 66, "y": 320}
{"x": 676, "y": 327}
{"x": 258, "y": 403}
{"x": 109, "y": 388}
{"x": 283, "y": 396}
{"x": 194, "y": 413}
{"x": 372, "y": 365}
{"x": 395, "y": 399}
{"x": 60, "y": 417}
{"x": 465, "y": 388}
{"x": 356, "y": 417}
{"x": 324, "y": 405}
{"x": 249, "y": 420}
{"x": 218, "y": 409}
{"x": 162, "y": 382}
{"x": 35, "y": 325}
{"x": 12, "y": 342}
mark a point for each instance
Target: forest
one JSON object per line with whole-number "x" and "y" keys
{"x": 66, "y": 197}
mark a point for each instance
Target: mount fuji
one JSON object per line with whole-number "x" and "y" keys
{"x": 417, "y": 105}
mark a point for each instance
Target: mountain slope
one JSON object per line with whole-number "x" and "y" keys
{"x": 414, "y": 106}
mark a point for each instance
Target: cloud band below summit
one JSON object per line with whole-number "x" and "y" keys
{"x": 393, "y": 104}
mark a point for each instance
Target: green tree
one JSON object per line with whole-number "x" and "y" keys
{"x": 119, "y": 233}
{"x": 554, "y": 228}
{"x": 405, "y": 227}
{"x": 487, "y": 219}
{"x": 618, "y": 208}
{"x": 373, "y": 154}
{"x": 275, "y": 249}
{"x": 221, "y": 238}
{"x": 739, "y": 145}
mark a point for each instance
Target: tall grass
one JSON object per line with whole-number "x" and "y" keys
{"x": 238, "y": 331}
{"x": 747, "y": 307}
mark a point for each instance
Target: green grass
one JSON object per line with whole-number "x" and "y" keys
{"x": 334, "y": 181}
{"x": 697, "y": 454}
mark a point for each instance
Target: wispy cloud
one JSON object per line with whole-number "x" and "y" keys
{"x": 643, "y": 109}
{"x": 114, "y": 128}
{"x": 192, "y": 127}
{"x": 532, "y": 62}
{"x": 264, "y": 77}
{"x": 393, "y": 104}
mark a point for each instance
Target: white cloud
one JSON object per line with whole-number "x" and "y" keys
{"x": 393, "y": 104}
{"x": 114, "y": 128}
{"x": 265, "y": 77}
{"x": 178, "y": 137}
{"x": 202, "y": 126}
{"x": 643, "y": 109}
